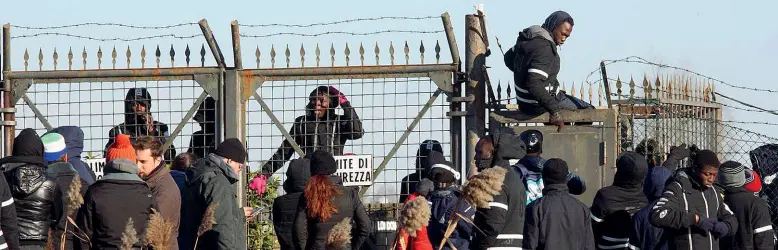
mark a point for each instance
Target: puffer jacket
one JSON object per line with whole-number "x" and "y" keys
{"x": 64, "y": 174}
{"x": 558, "y": 221}
{"x": 684, "y": 197}
{"x": 626, "y": 194}
{"x": 38, "y": 202}
{"x": 502, "y": 224}
{"x": 764, "y": 160}
{"x": 312, "y": 133}
{"x": 535, "y": 63}
{"x": 444, "y": 204}
{"x": 311, "y": 234}
{"x": 285, "y": 206}
{"x": 755, "y": 230}
{"x": 644, "y": 235}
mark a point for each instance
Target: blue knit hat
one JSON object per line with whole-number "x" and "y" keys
{"x": 53, "y": 146}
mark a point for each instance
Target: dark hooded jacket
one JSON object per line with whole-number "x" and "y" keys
{"x": 502, "y": 224}
{"x": 312, "y": 133}
{"x": 626, "y": 194}
{"x": 444, "y": 204}
{"x": 27, "y": 150}
{"x": 644, "y": 235}
{"x": 764, "y": 160}
{"x": 210, "y": 181}
{"x": 684, "y": 197}
{"x": 285, "y": 206}
{"x": 64, "y": 174}
{"x": 755, "y": 230}
{"x": 134, "y": 124}
{"x": 557, "y": 221}
{"x": 535, "y": 63}
{"x": 74, "y": 140}
{"x": 203, "y": 142}
{"x": 408, "y": 183}
{"x": 531, "y": 172}
{"x": 111, "y": 202}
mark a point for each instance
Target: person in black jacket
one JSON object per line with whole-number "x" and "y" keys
{"x": 501, "y": 225}
{"x": 64, "y": 175}
{"x": 755, "y": 230}
{"x": 285, "y": 206}
{"x": 324, "y": 203}
{"x": 320, "y": 128}
{"x": 74, "y": 140}
{"x": 443, "y": 203}
{"x": 535, "y": 63}
{"x": 111, "y": 202}
{"x": 38, "y": 198}
{"x": 557, "y": 220}
{"x": 692, "y": 210}
{"x": 139, "y": 122}
{"x": 203, "y": 142}
{"x": 626, "y": 194}
{"x": 409, "y": 182}
{"x": 531, "y": 168}
{"x": 27, "y": 150}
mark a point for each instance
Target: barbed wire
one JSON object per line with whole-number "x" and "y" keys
{"x": 342, "y": 33}
{"x": 339, "y": 22}
{"x": 103, "y": 24}
{"x": 105, "y": 39}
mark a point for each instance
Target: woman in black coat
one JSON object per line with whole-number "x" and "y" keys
{"x": 326, "y": 202}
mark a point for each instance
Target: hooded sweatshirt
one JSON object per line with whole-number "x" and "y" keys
{"x": 285, "y": 206}
{"x": 38, "y": 201}
{"x": 535, "y": 64}
{"x": 644, "y": 235}
{"x": 203, "y": 142}
{"x": 626, "y": 194}
{"x": 134, "y": 123}
{"x": 74, "y": 140}
{"x": 328, "y": 133}
{"x": 408, "y": 183}
{"x": 27, "y": 150}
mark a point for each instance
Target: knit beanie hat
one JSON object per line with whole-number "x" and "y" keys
{"x": 232, "y": 149}
{"x": 121, "y": 148}
{"x": 555, "y": 171}
{"x": 706, "y": 158}
{"x": 441, "y": 171}
{"x": 732, "y": 174}
{"x": 53, "y": 146}
{"x": 323, "y": 163}
{"x": 753, "y": 181}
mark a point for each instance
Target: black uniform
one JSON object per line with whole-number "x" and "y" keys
{"x": 755, "y": 230}
{"x": 558, "y": 214}
{"x": 684, "y": 197}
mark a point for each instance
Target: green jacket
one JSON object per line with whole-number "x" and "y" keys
{"x": 210, "y": 181}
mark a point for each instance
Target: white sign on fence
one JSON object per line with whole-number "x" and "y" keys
{"x": 97, "y": 166}
{"x": 355, "y": 170}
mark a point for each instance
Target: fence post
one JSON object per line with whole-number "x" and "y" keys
{"x": 475, "y": 57}
{"x": 236, "y": 45}
{"x": 9, "y": 124}
{"x": 455, "y": 106}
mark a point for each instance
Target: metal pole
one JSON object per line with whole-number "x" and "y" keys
{"x": 454, "y": 107}
{"x": 452, "y": 41}
{"x": 235, "y": 124}
{"x": 9, "y": 120}
{"x": 212, "y": 44}
{"x": 605, "y": 84}
{"x": 236, "y": 45}
{"x": 475, "y": 57}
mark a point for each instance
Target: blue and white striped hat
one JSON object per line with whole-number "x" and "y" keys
{"x": 53, "y": 146}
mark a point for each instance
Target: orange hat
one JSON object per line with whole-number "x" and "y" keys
{"x": 121, "y": 148}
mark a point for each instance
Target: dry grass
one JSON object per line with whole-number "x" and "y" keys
{"x": 75, "y": 200}
{"x": 482, "y": 188}
{"x": 340, "y": 236}
{"x": 129, "y": 236}
{"x": 159, "y": 231}
{"x": 50, "y": 240}
{"x": 414, "y": 215}
{"x": 208, "y": 220}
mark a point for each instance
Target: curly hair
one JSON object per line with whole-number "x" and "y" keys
{"x": 319, "y": 194}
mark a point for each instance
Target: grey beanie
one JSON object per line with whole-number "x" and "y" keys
{"x": 732, "y": 174}
{"x": 121, "y": 165}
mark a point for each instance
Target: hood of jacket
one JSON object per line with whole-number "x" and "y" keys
{"x": 655, "y": 183}
{"x": 330, "y": 109}
{"x": 139, "y": 95}
{"x": 534, "y": 31}
{"x": 27, "y": 148}
{"x": 533, "y": 163}
{"x": 59, "y": 169}
{"x": 631, "y": 169}
{"x": 74, "y": 140}
{"x": 121, "y": 169}
{"x": 297, "y": 175}
{"x": 206, "y": 165}
{"x": 507, "y": 146}
{"x": 26, "y": 179}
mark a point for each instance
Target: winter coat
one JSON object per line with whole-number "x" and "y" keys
{"x": 558, "y": 221}
{"x": 203, "y": 142}
{"x": 408, "y": 183}
{"x": 535, "y": 63}
{"x": 764, "y": 160}
{"x": 74, "y": 141}
{"x": 285, "y": 206}
{"x": 383, "y": 233}
{"x": 311, "y": 234}
{"x": 422, "y": 239}
{"x": 168, "y": 198}
{"x": 626, "y": 194}
{"x": 643, "y": 234}
{"x": 444, "y": 204}
{"x": 502, "y": 223}
{"x": 135, "y": 127}
{"x": 110, "y": 203}
{"x": 531, "y": 173}
{"x": 64, "y": 174}
{"x": 38, "y": 201}
{"x": 180, "y": 178}
{"x": 684, "y": 197}
{"x": 755, "y": 229}
{"x": 311, "y": 133}
{"x": 210, "y": 181}
{"x": 27, "y": 150}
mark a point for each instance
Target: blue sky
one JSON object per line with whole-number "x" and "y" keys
{"x": 730, "y": 40}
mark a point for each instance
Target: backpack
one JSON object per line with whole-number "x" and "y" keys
{"x": 533, "y": 183}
